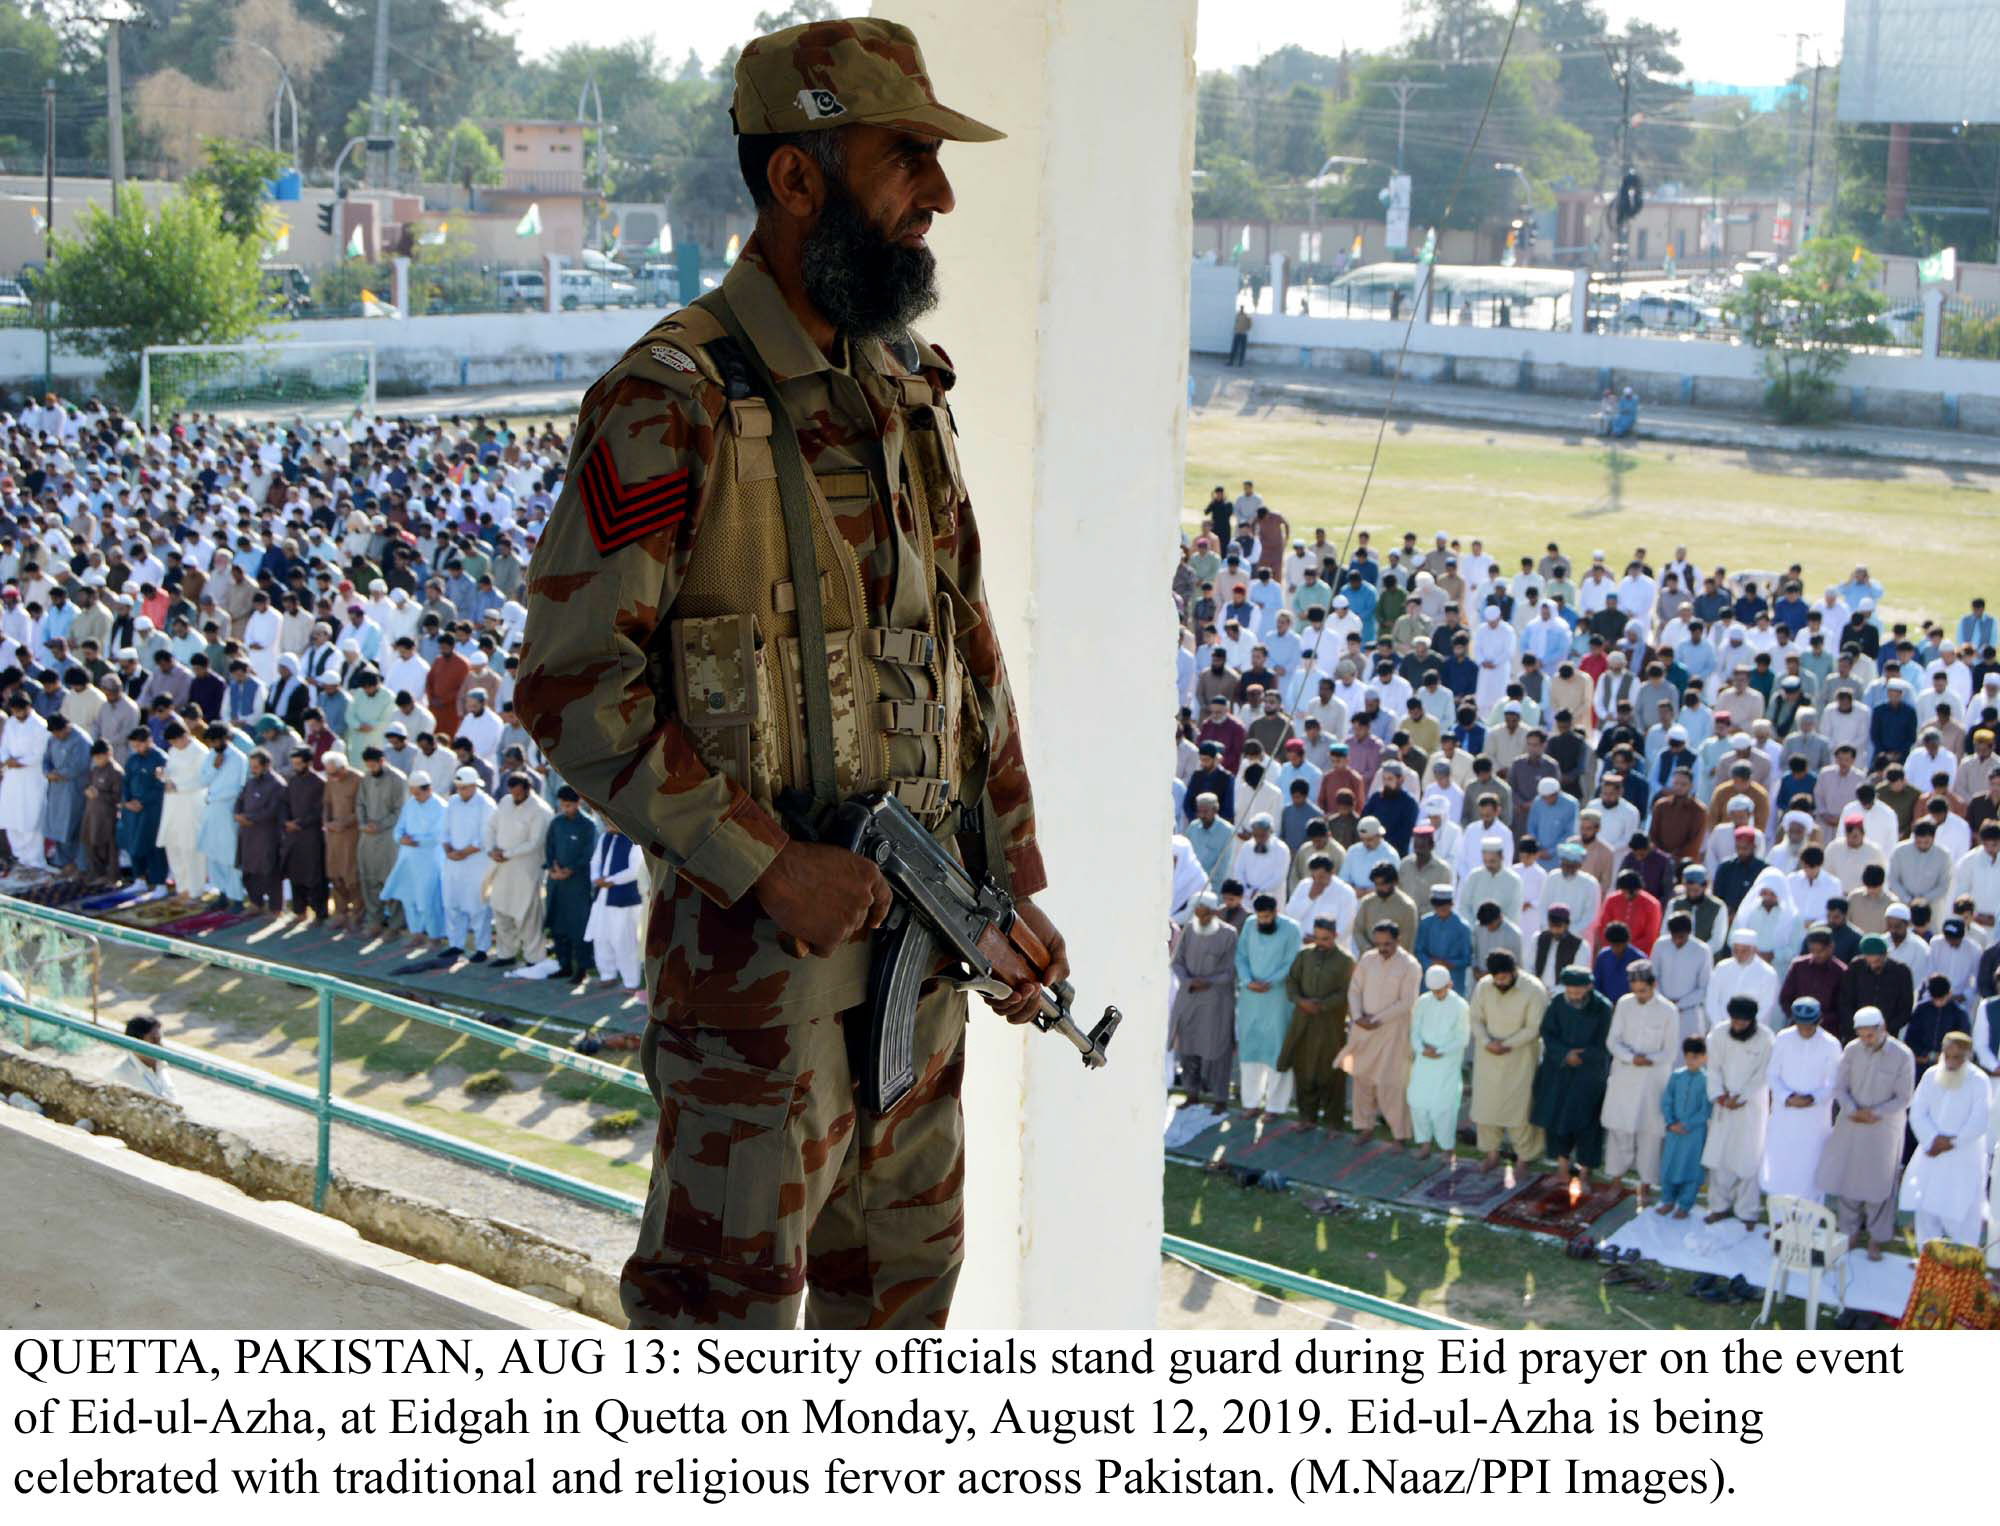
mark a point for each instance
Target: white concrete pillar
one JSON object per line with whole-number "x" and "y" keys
{"x": 1065, "y": 274}
{"x": 1933, "y": 320}
{"x": 1579, "y": 300}
{"x": 552, "y": 265}
{"x": 1279, "y": 285}
{"x": 400, "y": 269}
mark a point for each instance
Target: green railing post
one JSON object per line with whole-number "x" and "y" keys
{"x": 323, "y": 1163}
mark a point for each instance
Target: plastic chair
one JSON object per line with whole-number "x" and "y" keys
{"x": 1805, "y": 1237}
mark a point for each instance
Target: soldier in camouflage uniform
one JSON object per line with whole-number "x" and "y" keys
{"x": 662, "y": 676}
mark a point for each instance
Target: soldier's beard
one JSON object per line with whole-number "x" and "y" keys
{"x": 867, "y": 285}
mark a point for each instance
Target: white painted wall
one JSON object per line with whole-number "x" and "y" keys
{"x": 1065, "y": 267}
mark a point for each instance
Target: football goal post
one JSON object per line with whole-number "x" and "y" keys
{"x": 283, "y": 379}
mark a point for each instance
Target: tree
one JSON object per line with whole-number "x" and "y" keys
{"x": 1590, "y": 91}
{"x": 171, "y": 276}
{"x": 1807, "y": 318}
{"x": 238, "y": 175}
{"x": 465, "y": 156}
{"x": 1230, "y": 188}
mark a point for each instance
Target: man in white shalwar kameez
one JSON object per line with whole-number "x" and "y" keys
{"x": 1645, "y": 1038}
{"x": 1944, "y": 1183}
{"x": 468, "y": 920}
{"x": 1743, "y": 973}
{"x": 262, "y": 646}
{"x": 1805, "y": 1069}
{"x": 185, "y": 779}
{"x": 1739, "y": 1062}
{"x": 24, "y": 787}
{"x": 1493, "y": 649}
{"x": 516, "y": 841}
{"x": 613, "y": 929}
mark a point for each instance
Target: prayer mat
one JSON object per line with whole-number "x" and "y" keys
{"x": 1384, "y": 1171}
{"x": 1547, "y": 1208}
{"x": 112, "y": 899}
{"x": 152, "y": 915}
{"x": 1467, "y": 1190}
{"x": 203, "y": 922}
{"x": 1953, "y": 1290}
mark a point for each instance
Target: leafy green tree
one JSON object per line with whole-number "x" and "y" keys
{"x": 399, "y": 120}
{"x": 1590, "y": 92}
{"x": 238, "y": 176}
{"x": 1221, "y": 120}
{"x": 466, "y": 156}
{"x": 1523, "y": 127}
{"x": 171, "y": 276}
{"x": 1807, "y": 318}
{"x": 1230, "y": 188}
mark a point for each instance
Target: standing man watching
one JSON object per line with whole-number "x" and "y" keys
{"x": 667, "y": 634}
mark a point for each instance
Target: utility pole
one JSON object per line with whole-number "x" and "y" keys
{"x": 48, "y": 227}
{"x": 1403, "y": 89}
{"x": 378, "y": 82}
{"x": 114, "y": 82}
{"x": 1619, "y": 243}
{"x": 588, "y": 94}
{"x": 1812, "y": 143}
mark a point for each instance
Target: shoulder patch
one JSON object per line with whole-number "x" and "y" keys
{"x": 667, "y": 355}
{"x": 620, "y": 513}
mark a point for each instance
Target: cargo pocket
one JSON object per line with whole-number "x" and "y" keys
{"x": 719, "y": 676}
{"x": 734, "y": 1149}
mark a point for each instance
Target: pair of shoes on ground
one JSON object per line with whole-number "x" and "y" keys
{"x": 1711, "y": 1288}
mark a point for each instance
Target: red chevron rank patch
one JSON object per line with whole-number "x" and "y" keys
{"x": 621, "y": 513}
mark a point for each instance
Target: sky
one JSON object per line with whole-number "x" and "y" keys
{"x": 1716, "y": 44}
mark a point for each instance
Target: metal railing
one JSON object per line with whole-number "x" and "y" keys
{"x": 328, "y": 1109}
{"x": 321, "y": 1101}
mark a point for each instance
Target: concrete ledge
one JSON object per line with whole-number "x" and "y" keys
{"x": 411, "y": 1231}
{"x": 101, "y": 1237}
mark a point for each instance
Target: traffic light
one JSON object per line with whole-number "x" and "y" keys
{"x": 326, "y": 216}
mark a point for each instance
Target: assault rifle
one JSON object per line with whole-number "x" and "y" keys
{"x": 940, "y": 912}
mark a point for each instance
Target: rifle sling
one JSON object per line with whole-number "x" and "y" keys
{"x": 796, "y": 498}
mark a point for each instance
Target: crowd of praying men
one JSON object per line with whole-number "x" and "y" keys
{"x": 271, "y": 667}
{"x": 1665, "y": 870}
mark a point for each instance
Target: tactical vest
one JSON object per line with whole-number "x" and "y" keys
{"x": 905, "y": 715}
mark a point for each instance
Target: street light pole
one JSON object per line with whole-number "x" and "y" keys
{"x": 114, "y": 136}
{"x": 48, "y": 228}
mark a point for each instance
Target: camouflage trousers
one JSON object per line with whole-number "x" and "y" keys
{"x": 773, "y": 1189}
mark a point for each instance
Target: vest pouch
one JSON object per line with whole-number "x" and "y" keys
{"x": 860, "y": 750}
{"x": 931, "y": 451}
{"x": 721, "y": 676}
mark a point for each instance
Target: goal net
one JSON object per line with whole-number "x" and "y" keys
{"x": 280, "y": 380}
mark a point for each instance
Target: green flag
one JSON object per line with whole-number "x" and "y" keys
{"x": 531, "y": 221}
{"x": 1430, "y": 248}
{"x": 1942, "y": 266}
{"x": 356, "y": 246}
{"x": 1242, "y": 244}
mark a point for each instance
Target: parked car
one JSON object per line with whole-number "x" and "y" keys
{"x": 522, "y": 288}
{"x": 12, "y": 296}
{"x": 590, "y": 288}
{"x": 1905, "y": 324}
{"x": 1660, "y": 312}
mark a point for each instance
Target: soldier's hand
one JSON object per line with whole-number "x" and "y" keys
{"x": 822, "y": 897}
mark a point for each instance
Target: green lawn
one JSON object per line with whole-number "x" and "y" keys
{"x": 1924, "y": 532}
{"x": 1503, "y": 1279}
{"x": 275, "y": 1027}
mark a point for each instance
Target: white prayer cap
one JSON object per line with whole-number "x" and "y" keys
{"x": 399, "y": 596}
{"x": 1513, "y": 706}
{"x": 1898, "y": 912}
{"x": 1369, "y": 824}
{"x": 288, "y": 662}
{"x": 127, "y": 654}
{"x": 142, "y": 624}
{"x": 1434, "y": 804}
{"x": 1798, "y": 818}
{"x": 1865, "y": 605}
{"x": 350, "y": 645}
{"x": 1547, "y": 787}
{"x": 419, "y": 779}
{"x": 466, "y": 776}
{"x": 395, "y": 729}
{"x": 1437, "y": 977}
{"x": 1263, "y": 819}
{"x": 1869, "y": 1017}
{"x": 1677, "y": 733}
{"x": 1493, "y": 614}
{"x": 334, "y": 758}
{"x": 1742, "y": 804}
{"x": 1209, "y": 899}
{"x": 1743, "y": 935}
{"x": 1340, "y": 601}
{"x": 1492, "y": 842}
{"x": 476, "y": 657}
{"x": 1740, "y": 740}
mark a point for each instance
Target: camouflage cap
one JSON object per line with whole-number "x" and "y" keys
{"x": 833, "y": 73}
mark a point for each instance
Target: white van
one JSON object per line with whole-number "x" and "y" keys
{"x": 522, "y": 288}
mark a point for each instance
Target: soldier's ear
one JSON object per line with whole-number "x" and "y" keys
{"x": 798, "y": 185}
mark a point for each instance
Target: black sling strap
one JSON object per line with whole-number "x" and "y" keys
{"x": 795, "y": 497}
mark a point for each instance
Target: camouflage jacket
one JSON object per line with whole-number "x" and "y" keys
{"x": 631, "y": 656}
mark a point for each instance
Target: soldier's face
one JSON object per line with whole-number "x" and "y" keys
{"x": 865, "y": 263}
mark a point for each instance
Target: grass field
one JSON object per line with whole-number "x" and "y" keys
{"x": 1926, "y": 533}
{"x": 1504, "y": 1279}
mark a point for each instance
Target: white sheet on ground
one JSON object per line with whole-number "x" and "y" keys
{"x": 1729, "y": 1248}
